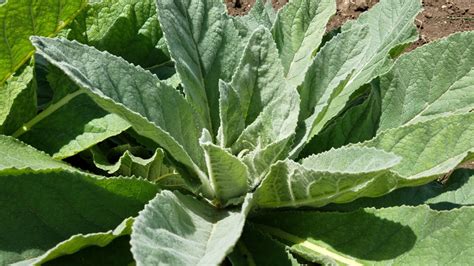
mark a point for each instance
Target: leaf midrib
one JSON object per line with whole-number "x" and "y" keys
{"x": 296, "y": 240}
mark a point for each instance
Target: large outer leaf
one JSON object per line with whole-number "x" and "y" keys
{"x": 352, "y": 58}
{"x": 396, "y": 236}
{"x": 154, "y": 109}
{"x": 457, "y": 192}
{"x": 21, "y": 19}
{"x": 17, "y": 155}
{"x": 428, "y": 149}
{"x": 334, "y": 176}
{"x": 116, "y": 253}
{"x": 434, "y": 80}
{"x": 81, "y": 241}
{"x": 127, "y": 28}
{"x": 71, "y": 125}
{"x": 205, "y": 46}
{"x": 181, "y": 230}
{"x": 17, "y": 101}
{"x": 229, "y": 176}
{"x": 298, "y": 31}
{"x": 42, "y": 208}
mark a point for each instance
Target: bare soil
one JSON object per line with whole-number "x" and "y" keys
{"x": 439, "y": 18}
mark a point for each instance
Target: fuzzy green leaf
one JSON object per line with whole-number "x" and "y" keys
{"x": 24, "y": 18}
{"x": 205, "y": 46}
{"x": 358, "y": 123}
{"x": 128, "y": 164}
{"x": 268, "y": 105}
{"x": 334, "y": 176}
{"x": 81, "y": 241}
{"x": 228, "y": 175}
{"x": 154, "y": 109}
{"x": 126, "y": 28}
{"x": 432, "y": 81}
{"x": 352, "y": 58}
{"x": 40, "y": 209}
{"x": 16, "y": 155}
{"x": 261, "y": 14}
{"x": 397, "y": 236}
{"x": 17, "y": 101}
{"x": 181, "y": 230}
{"x": 457, "y": 192}
{"x": 430, "y": 148}
{"x": 71, "y": 125}
{"x": 298, "y": 32}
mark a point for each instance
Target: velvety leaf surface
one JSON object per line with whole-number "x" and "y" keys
{"x": 334, "y": 176}
{"x": 229, "y": 176}
{"x": 434, "y": 80}
{"x": 457, "y": 192}
{"x": 127, "y": 28}
{"x": 17, "y": 101}
{"x": 42, "y": 208}
{"x": 352, "y": 58}
{"x": 181, "y": 230}
{"x": 23, "y": 18}
{"x": 205, "y": 46}
{"x": 71, "y": 125}
{"x": 399, "y": 235}
{"x": 260, "y": 160}
{"x": 78, "y": 242}
{"x": 429, "y": 148}
{"x": 268, "y": 105}
{"x": 298, "y": 31}
{"x": 154, "y": 109}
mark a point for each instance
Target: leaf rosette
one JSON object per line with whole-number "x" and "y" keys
{"x": 223, "y": 124}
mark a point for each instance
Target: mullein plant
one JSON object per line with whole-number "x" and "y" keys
{"x": 169, "y": 132}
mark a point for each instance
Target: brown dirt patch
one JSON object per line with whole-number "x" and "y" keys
{"x": 438, "y": 19}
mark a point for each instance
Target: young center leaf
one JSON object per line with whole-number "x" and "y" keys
{"x": 268, "y": 106}
{"x": 205, "y": 46}
{"x": 228, "y": 175}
